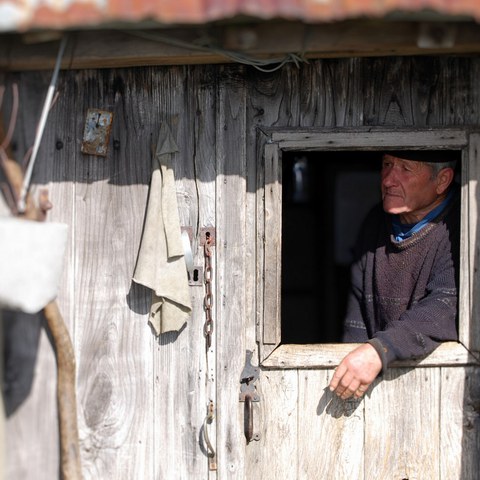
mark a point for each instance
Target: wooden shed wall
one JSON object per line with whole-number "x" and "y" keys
{"x": 141, "y": 400}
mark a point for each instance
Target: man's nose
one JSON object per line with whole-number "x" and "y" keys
{"x": 388, "y": 177}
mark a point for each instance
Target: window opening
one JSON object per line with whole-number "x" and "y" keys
{"x": 325, "y": 196}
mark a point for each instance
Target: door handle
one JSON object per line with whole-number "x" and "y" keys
{"x": 248, "y": 419}
{"x": 248, "y": 394}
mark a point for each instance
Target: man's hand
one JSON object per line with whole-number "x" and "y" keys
{"x": 356, "y": 372}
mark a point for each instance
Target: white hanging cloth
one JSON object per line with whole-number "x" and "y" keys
{"x": 161, "y": 263}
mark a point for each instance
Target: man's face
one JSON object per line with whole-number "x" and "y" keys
{"x": 408, "y": 188}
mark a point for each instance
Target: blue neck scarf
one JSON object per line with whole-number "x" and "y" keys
{"x": 402, "y": 231}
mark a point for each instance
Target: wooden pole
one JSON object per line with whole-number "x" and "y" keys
{"x": 70, "y": 466}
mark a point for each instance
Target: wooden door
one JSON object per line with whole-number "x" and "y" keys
{"x": 412, "y": 423}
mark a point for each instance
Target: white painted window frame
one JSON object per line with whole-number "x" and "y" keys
{"x": 272, "y": 142}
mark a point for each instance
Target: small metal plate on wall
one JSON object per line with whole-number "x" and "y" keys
{"x": 96, "y": 133}
{"x": 195, "y": 277}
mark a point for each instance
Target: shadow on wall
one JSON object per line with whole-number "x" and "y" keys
{"x": 21, "y": 334}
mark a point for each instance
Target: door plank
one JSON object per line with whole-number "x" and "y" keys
{"x": 230, "y": 270}
{"x": 275, "y": 455}
{"x": 179, "y": 361}
{"x": 459, "y": 439}
{"x": 330, "y": 430}
{"x": 402, "y": 425}
{"x": 111, "y": 335}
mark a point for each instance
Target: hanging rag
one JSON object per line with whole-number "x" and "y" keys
{"x": 161, "y": 263}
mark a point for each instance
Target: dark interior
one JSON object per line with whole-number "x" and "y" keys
{"x": 325, "y": 197}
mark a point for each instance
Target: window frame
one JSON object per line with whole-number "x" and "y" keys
{"x": 271, "y": 143}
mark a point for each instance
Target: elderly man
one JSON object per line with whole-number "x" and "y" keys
{"x": 403, "y": 299}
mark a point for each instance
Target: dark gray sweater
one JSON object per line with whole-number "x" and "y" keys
{"x": 403, "y": 297}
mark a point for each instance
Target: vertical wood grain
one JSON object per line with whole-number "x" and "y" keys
{"x": 230, "y": 269}
{"x": 459, "y": 427}
{"x": 330, "y": 430}
{"x": 387, "y": 93}
{"x": 272, "y": 266}
{"x": 470, "y": 334}
{"x": 402, "y": 425}
{"x": 335, "y": 95}
{"x": 115, "y": 376}
{"x": 179, "y": 361}
{"x": 275, "y": 419}
{"x": 272, "y": 100}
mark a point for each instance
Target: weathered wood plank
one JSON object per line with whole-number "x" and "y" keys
{"x": 336, "y": 90}
{"x": 457, "y": 100}
{"x": 274, "y": 39}
{"x": 259, "y": 245}
{"x": 274, "y": 455}
{"x": 369, "y": 138}
{"x": 466, "y": 275}
{"x": 272, "y": 246}
{"x": 33, "y": 423}
{"x": 195, "y": 173}
{"x": 470, "y": 331}
{"x": 272, "y": 100}
{"x": 330, "y": 431}
{"x": 114, "y": 379}
{"x": 459, "y": 424}
{"x": 180, "y": 363}
{"x": 329, "y": 355}
{"x": 402, "y": 425}
{"x": 230, "y": 270}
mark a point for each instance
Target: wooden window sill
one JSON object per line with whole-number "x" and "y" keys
{"x": 330, "y": 355}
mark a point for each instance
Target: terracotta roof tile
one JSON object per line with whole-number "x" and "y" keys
{"x": 21, "y": 15}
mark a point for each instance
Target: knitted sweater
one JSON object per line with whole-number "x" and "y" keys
{"x": 403, "y": 297}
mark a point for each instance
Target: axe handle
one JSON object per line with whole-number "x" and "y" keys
{"x": 67, "y": 407}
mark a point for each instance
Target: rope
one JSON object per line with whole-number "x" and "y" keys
{"x": 259, "y": 64}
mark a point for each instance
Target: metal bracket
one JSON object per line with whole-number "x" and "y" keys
{"x": 207, "y": 232}
{"x": 195, "y": 277}
{"x": 249, "y": 394}
{"x": 96, "y": 133}
{"x": 249, "y": 375}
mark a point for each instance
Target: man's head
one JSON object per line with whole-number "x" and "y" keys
{"x": 414, "y": 182}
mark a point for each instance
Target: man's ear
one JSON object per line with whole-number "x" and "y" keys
{"x": 444, "y": 179}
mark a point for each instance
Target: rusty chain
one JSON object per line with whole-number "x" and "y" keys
{"x": 208, "y": 300}
{"x": 208, "y": 333}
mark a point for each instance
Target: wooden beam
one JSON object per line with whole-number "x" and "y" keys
{"x": 330, "y": 355}
{"x": 211, "y": 44}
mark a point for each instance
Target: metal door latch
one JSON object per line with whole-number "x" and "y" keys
{"x": 249, "y": 394}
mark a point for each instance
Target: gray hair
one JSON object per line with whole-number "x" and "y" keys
{"x": 437, "y": 166}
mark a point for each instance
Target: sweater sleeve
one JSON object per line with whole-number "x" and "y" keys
{"x": 429, "y": 321}
{"x": 354, "y": 329}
